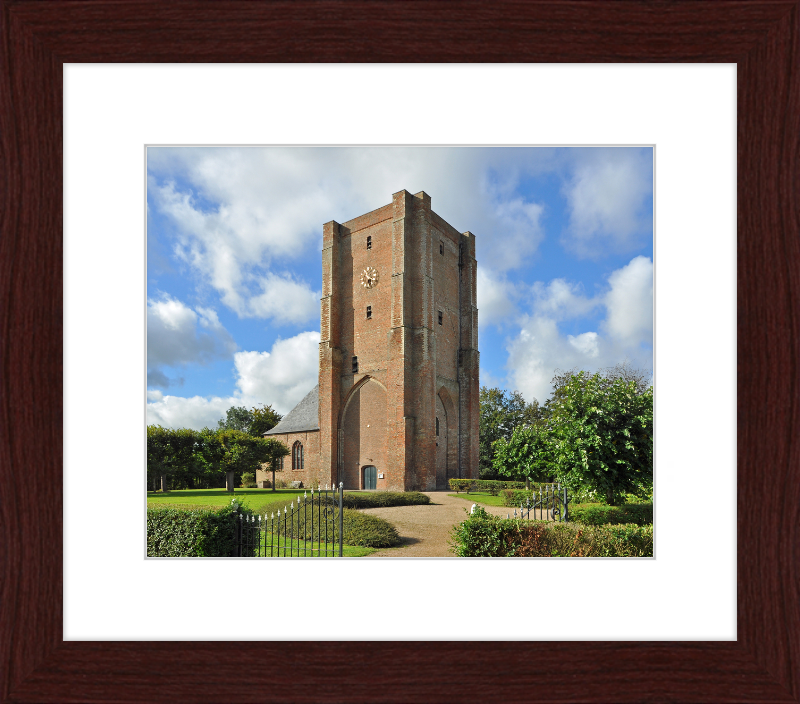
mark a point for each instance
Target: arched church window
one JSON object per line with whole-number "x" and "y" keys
{"x": 297, "y": 455}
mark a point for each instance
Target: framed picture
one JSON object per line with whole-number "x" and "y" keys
{"x": 39, "y": 38}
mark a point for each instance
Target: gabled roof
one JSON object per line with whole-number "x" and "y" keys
{"x": 304, "y": 416}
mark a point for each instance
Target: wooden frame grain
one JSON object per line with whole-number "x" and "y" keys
{"x": 761, "y": 37}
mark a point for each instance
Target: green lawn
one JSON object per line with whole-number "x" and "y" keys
{"x": 297, "y": 549}
{"x": 257, "y": 500}
{"x": 480, "y": 497}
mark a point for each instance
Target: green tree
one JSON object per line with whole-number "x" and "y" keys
{"x": 500, "y": 413}
{"x": 236, "y": 418}
{"x": 171, "y": 452}
{"x": 239, "y": 452}
{"x": 264, "y": 419}
{"x": 601, "y": 431}
{"x": 527, "y": 454}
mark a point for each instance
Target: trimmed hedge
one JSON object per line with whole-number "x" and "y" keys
{"x": 602, "y": 515}
{"x": 361, "y": 529}
{"x": 515, "y": 497}
{"x": 490, "y": 485}
{"x": 379, "y": 499}
{"x": 483, "y": 535}
{"x": 180, "y": 532}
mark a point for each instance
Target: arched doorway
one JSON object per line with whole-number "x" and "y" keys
{"x": 364, "y": 432}
{"x": 369, "y": 478}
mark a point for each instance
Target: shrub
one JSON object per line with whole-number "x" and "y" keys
{"x": 585, "y": 495}
{"x": 515, "y": 497}
{"x": 182, "y": 532}
{"x": 482, "y": 535}
{"x": 601, "y": 514}
{"x": 248, "y": 480}
{"x": 368, "y": 531}
{"x": 385, "y": 498}
{"x": 359, "y": 528}
{"x": 488, "y": 485}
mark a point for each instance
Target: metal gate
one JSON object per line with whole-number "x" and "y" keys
{"x": 312, "y": 525}
{"x": 551, "y": 501}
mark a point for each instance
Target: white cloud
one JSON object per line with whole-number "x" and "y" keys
{"x": 540, "y": 349}
{"x": 281, "y": 377}
{"x": 195, "y": 412}
{"x": 242, "y": 214}
{"x": 515, "y": 234}
{"x": 630, "y": 303}
{"x": 496, "y": 298}
{"x": 285, "y": 300}
{"x": 562, "y": 299}
{"x": 607, "y": 195}
{"x": 626, "y": 332}
{"x": 586, "y": 343}
{"x": 177, "y": 335}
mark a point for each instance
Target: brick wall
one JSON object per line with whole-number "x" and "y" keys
{"x": 384, "y": 414}
{"x": 312, "y": 469}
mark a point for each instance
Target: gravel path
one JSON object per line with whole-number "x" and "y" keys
{"x": 425, "y": 530}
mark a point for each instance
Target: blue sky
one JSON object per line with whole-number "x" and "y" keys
{"x": 564, "y": 241}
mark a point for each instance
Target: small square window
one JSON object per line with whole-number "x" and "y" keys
{"x": 369, "y": 312}
{"x": 440, "y": 317}
{"x": 441, "y": 247}
{"x": 355, "y": 365}
{"x": 369, "y": 241}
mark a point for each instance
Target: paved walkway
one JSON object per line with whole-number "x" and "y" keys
{"x": 426, "y": 530}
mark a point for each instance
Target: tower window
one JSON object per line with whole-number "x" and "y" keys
{"x": 369, "y": 312}
{"x": 355, "y": 365}
{"x": 441, "y": 247}
{"x": 437, "y": 426}
{"x": 369, "y": 241}
{"x": 297, "y": 455}
{"x": 440, "y": 317}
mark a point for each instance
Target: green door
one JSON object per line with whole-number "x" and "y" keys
{"x": 370, "y": 477}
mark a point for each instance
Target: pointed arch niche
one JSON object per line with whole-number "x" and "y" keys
{"x": 446, "y": 439}
{"x": 364, "y": 432}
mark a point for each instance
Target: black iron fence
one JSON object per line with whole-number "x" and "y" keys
{"x": 311, "y": 526}
{"x": 549, "y": 503}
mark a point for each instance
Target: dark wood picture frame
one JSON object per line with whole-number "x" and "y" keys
{"x": 763, "y": 665}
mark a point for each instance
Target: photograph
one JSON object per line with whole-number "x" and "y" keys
{"x": 399, "y": 351}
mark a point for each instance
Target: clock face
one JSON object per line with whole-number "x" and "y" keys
{"x": 369, "y": 277}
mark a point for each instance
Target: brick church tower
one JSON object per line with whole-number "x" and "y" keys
{"x": 398, "y": 356}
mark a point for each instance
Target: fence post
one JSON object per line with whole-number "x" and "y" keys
{"x": 566, "y": 505}
{"x": 238, "y": 548}
{"x": 341, "y": 518}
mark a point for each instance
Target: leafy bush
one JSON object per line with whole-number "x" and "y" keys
{"x": 248, "y": 480}
{"x": 181, "y": 532}
{"x": 482, "y": 535}
{"x": 361, "y": 529}
{"x": 489, "y": 485}
{"x": 385, "y": 498}
{"x": 601, "y": 514}
{"x": 585, "y": 495}
{"x": 368, "y": 531}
